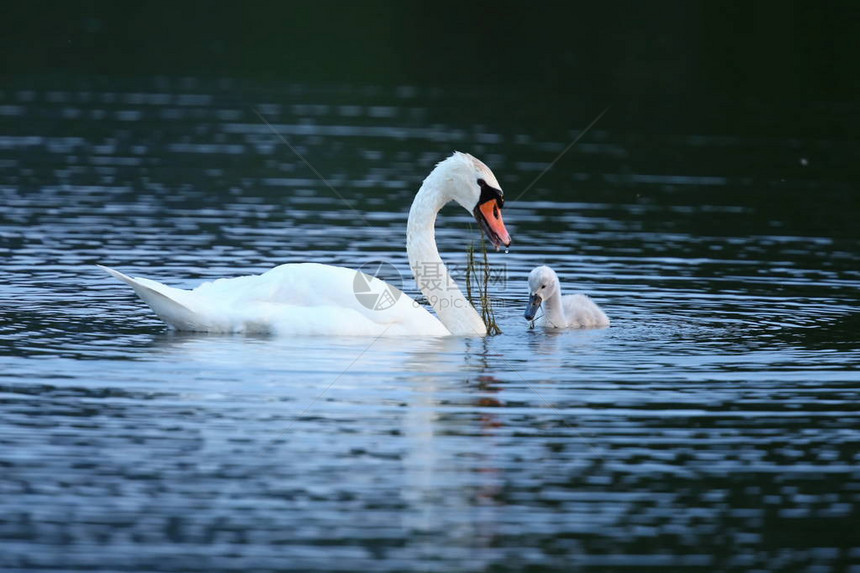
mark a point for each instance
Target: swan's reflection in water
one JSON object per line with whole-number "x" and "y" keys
{"x": 448, "y": 432}
{"x": 452, "y": 491}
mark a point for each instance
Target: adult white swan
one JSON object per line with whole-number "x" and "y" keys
{"x": 308, "y": 298}
{"x": 569, "y": 311}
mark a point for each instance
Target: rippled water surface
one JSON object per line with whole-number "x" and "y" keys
{"x": 714, "y": 426}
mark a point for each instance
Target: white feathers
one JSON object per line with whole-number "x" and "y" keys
{"x": 308, "y": 298}
{"x": 289, "y": 300}
{"x": 570, "y": 311}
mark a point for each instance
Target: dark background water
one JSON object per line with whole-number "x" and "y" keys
{"x": 736, "y": 67}
{"x": 712, "y": 212}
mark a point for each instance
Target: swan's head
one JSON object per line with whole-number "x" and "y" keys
{"x": 475, "y": 188}
{"x": 543, "y": 283}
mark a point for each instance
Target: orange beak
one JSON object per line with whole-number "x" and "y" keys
{"x": 489, "y": 216}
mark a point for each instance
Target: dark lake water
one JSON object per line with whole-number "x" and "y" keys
{"x": 713, "y": 426}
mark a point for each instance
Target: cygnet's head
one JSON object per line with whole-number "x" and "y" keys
{"x": 471, "y": 184}
{"x": 543, "y": 283}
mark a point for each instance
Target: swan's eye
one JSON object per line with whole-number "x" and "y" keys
{"x": 481, "y": 182}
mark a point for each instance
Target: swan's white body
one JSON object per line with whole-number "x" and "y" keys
{"x": 560, "y": 311}
{"x": 295, "y": 299}
{"x": 314, "y": 299}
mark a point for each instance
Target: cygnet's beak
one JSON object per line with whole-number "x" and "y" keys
{"x": 489, "y": 216}
{"x": 534, "y": 304}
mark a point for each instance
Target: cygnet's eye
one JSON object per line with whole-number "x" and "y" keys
{"x": 542, "y": 286}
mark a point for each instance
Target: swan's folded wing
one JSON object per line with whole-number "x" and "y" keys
{"x": 292, "y": 299}
{"x": 170, "y": 304}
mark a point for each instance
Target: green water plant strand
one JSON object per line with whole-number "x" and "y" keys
{"x": 482, "y": 286}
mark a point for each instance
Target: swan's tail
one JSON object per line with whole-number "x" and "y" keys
{"x": 164, "y": 300}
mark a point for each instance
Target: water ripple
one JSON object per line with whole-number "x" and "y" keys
{"x": 712, "y": 427}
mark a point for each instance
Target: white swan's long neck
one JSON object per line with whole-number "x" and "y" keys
{"x": 553, "y": 310}
{"x": 431, "y": 274}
